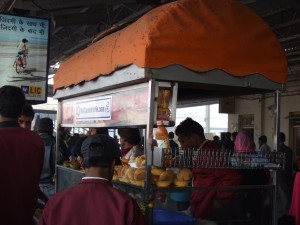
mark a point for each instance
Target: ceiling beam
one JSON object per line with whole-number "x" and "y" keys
{"x": 78, "y": 19}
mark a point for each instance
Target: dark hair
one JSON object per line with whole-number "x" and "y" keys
{"x": 102, "y": 130}
{"x": 100, "y": 151}
{"x": 24, "y": 40}
{"x": 171, "y": 134}
{"x": 263, "y": 138}
{"x": 188, "y": 127}
{"x": 27, "y": 111}
{"x": 97, "y": 157}
{"x": 131, "y": 135}
{"x": 282, "y": 137}
{"x": 45, "y": 125}
{"x": 12, "y": 100}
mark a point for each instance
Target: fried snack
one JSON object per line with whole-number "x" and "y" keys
{"x": 154, "y": 179}
{"x": 74, "y": 164}
{"x": 66, "y": 163}
{"x": 123, "y": 170}
{"x": 184, "y": 174}
{"x": 124, "y": 161}
{"x": 132, "y": 160}
{"x": 167, "y": 175}
{"x": 139, "y": 160}
{"x": 117, "y": 170}
{"x": 181, "y": 183}
{"x": 130, "y": 173}
{"x": 115, "y": 177}
{"x": 163, "y": 183}
{"x": 140, "y": 183}
{"x": 140, "y": 174}
{"x": 157, "y": 171}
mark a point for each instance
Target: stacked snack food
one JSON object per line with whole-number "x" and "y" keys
{"x": 183, "y": 177}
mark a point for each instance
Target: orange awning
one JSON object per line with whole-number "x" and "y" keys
{"x": 201, "y": 35}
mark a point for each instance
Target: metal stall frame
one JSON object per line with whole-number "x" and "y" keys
{"x": 122, "y": 81}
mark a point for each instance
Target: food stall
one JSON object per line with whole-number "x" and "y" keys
{"x": 193, "y": 49}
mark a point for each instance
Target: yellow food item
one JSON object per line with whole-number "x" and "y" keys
{"x": 115, "y": 177}
{"x": 75, "y": 164}
{"x": 167, "y": 175}
{"x": 163, "y": 183}
{"x": 154, "y": 179}
{"x": 184, "y": 174}
{"x": 140, "y": 183}
{"x": 181, "y": 183}
{"x": 139, "y": 160}
{"x": 157, "y": 171}
{"x": 123, "y": 170}
{"x": 130, "y": 173}
{"x": 140, "y": 174}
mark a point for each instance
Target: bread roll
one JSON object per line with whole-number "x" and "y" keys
{"x": 140, "y": 174}
{"x": 123, "y": 170}
{"x": 139, "y": 160}
{"x": 157, "y": 171}
{"x": 167, "y": 175}
{"x": 130, "y": 173}
{"x": 163, "y": 183}
{"x": 184, "y": 174}
{"x": 181, "y": 183}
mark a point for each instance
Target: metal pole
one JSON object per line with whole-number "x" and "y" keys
{"x": 148, "y": 147}
{"x": 276, "y": 135}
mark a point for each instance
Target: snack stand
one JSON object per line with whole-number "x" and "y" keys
{"x": 193, "y": 49}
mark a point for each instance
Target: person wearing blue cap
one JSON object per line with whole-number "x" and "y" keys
{"x": 94, "y": 201}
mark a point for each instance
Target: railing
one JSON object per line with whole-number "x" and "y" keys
{"x": 212, "y": 158}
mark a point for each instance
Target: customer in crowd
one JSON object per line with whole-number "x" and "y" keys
{"x": 76, "y": 149}
{"x": 21, "y": 153}
{"x": 174, "y": 146}
{"x": 295, "y": 203}
{"x": 26, "y": 117}
{"x": 217, "y": 141}
{"x": 94, "y": 200}
{"x": 227, "y": 143}
{"x": 284, "y": 179}
{"x": 204, "y": 203}
{"x": 244, "y": 149}
{"x": 45, "y": 130}
{"x": 263, "y": 147}
{"x": 130, "y": 140}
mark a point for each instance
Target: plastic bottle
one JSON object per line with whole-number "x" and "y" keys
{"x": 162, "y": 136}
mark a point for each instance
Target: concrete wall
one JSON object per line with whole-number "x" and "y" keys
{"x": 264, "y": 116}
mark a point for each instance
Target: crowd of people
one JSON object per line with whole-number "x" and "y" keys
{"x": 94, "y": 196}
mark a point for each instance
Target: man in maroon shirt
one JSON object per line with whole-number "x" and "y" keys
{"x": 22, "y": 155}
{"x": 94, "y": 201}
{"x": 204, "y": 202}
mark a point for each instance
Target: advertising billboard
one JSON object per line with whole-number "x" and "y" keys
{"x": 24, "y": 55}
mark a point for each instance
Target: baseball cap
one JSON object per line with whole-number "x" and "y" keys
{"x": 107, "y": 146}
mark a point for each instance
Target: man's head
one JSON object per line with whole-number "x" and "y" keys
{"x": 281, "y": 138}
{"x": 24, "y": 40}
{"x": 171, "y": 135}
{"x": 98, "y": 130}
{"x": 262, "y": 140}
{"x": 100, "y": 153}
{"x": 190, "y": 133}
{"x": 26, "y": 117}
{"x": 131, "y": 136}
{"x": 45, "y": 125}
{"x": 12, "y": 100}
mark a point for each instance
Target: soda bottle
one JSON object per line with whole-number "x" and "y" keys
{"x": 162, "y": 136}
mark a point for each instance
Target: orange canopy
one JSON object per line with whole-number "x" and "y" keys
{"x": 198, "y": 34}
